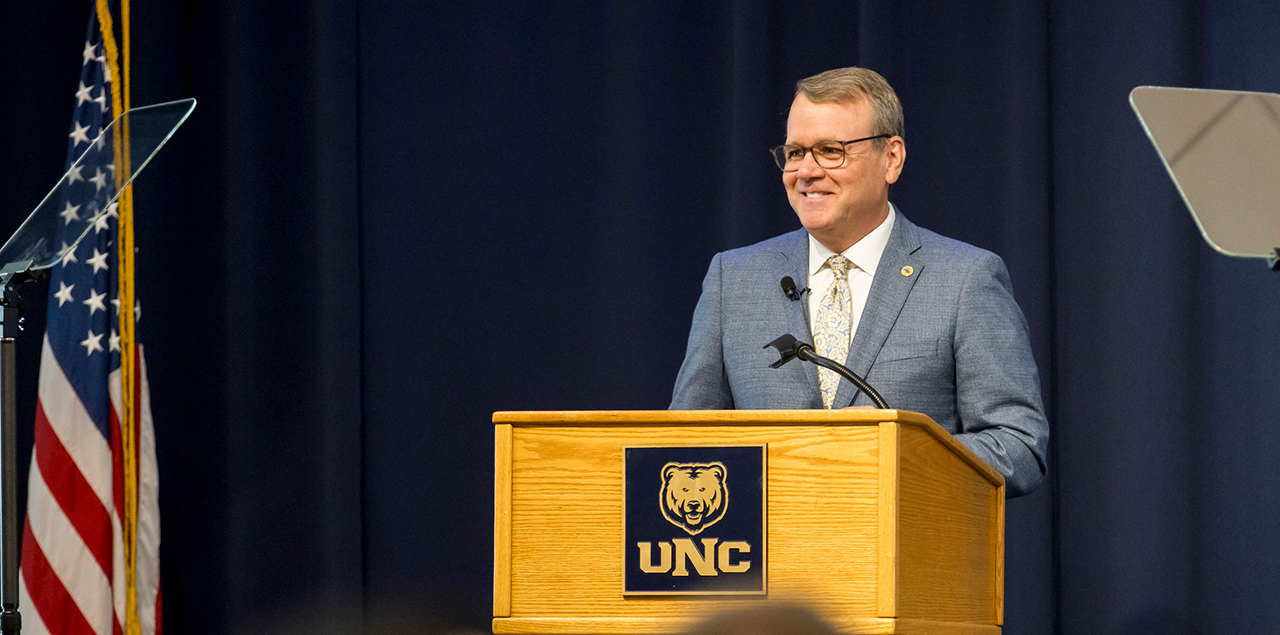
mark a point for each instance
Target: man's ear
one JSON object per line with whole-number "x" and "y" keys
{"x": 895, "y": 156}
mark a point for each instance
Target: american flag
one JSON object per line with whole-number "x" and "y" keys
{"x": 75, "y": 575}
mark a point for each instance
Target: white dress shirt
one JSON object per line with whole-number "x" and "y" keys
{"x": 865, "y": 256}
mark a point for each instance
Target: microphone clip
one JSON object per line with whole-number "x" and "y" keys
{"x": 789, "y": 288}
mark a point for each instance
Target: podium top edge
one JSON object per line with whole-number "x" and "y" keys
{"x": 846, "y": 417}
{"x": 693, "y": 417}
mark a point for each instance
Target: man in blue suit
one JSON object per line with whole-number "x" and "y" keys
{"x": 930, "y": 322}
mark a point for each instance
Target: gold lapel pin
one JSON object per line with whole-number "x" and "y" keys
{"x": 907, "y": 270}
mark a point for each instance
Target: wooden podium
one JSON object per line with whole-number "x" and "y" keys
{"x": 878, "y": 519}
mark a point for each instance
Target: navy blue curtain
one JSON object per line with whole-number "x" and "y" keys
{"x": 388, "y": 219}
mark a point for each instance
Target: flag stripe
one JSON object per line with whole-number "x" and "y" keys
{"x": 118, "y": 589}
{"x": 74, "y": 427}
{"x": 58, "y": 611}
{"x": 81, "y": 579}
{"x": 31, "y": 622}
{"x": 159, "y": 602}
{"x": 148, "y": 526}
{"x": 72, "y": 492}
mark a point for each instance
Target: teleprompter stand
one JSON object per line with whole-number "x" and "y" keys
{"x": 123, "y": 148}
{"x": 12, "y": 278}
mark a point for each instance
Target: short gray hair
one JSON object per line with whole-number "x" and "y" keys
{"x": 847, "y": 85}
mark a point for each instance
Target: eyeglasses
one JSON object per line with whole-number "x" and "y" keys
{"x": 827, "y": 154}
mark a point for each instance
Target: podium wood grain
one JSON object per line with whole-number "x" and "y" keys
{"x": 878, "y": 518}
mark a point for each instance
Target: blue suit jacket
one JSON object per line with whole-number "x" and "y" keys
{"x": 947, "y": 340}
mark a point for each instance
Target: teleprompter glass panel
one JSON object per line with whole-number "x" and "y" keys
{"x": 1222, "y": 149}
{"x": 88, "y": 191}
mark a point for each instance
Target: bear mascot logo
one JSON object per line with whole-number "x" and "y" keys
{"x": 694, "y": 496}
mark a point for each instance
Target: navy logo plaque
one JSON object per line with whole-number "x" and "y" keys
{"x": 694, "y": 520}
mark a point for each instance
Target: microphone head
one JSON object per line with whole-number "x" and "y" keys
{"x": 789, "y": 288}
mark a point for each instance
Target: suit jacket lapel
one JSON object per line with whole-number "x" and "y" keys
{"x": 889, "y": 290}
{"x": 795, "y": 263}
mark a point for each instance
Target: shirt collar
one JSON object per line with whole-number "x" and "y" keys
{"x": 864, "y": 254}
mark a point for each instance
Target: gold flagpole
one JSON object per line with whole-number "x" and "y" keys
{"x": 118, "y": 64}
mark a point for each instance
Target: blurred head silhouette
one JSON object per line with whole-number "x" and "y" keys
{"x": 767, "y": 619}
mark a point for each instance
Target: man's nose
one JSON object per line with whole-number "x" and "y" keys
{"x": 809, "y": 167}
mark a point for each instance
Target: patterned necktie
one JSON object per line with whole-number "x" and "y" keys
{"x": 831, "y": 331}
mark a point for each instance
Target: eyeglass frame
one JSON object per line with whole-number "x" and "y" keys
{"x": 809, "y": 150}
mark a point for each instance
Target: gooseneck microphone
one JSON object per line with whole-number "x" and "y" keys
{"x": 789, "y": 288}
{"x": 790, "y": 348}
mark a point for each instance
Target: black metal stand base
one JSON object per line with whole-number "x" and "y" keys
{"x": 10, "y": 620}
